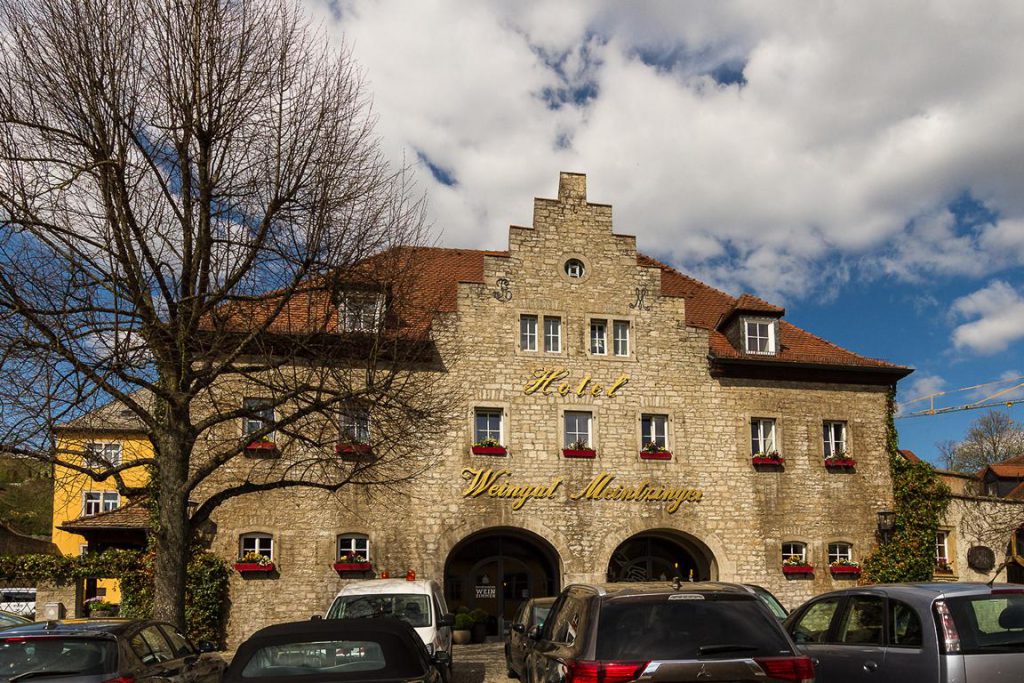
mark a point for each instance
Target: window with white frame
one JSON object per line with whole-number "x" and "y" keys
{"x": 620, "y": 337}
{"x": 759, "y": 336}
{"x": 552, "y": 334}
{"x": 942, "y": 548}
{"x": 840, "y": 552}
{"x": 795, "y": 549}
{"x": 83, "y": 549}
{"x": 361, "y": 311}
{"x": 762, "y": 436}
{"x": 527, "y": 333}
{"x": 261, "y": 414}
{"x": 578, "y": 425}
{"x": 487, "y": 426}
{"x": 654, "y": 430}
{"x": 574, "y": 268}
{"x": 257, "y": 543}
{"x": 102, "y": 455}
{"x": 95, "y": 502}
{"x": 354, "y": 425}
{"x": 599, "y": 337}
{"x": 354, "y": 544}
{"x": 835, "y": 439}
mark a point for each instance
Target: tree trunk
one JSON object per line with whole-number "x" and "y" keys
{"x": 172, "y": 536}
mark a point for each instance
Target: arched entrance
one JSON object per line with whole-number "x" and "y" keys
{"x": 661, "y": 555}
{"x": 496, "y": 570}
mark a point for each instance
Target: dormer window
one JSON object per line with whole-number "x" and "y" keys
{"x": 361, "y": 311}
{"x": 759, "y": 336}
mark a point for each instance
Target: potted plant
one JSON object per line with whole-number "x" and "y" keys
{"x": 489, "y": 446}
{"x": 99, "y": 608}
{"x": 652, "y": 451}
{"x": 253, "y": 562}
{"x": 352, "y": 562}
{"x": 479, "y": 627}
{"x": 844, "y": 567}
{"x": 768, "y": 458}
{"x": 578, "y": 449}
{"x": 942, "y": 566}
{"x": 839, "y": 459}
{"x": 795, "y": 564}
{"x": 462, "y": 632}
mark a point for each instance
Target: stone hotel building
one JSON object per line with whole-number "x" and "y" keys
{"x": 619, "y": 420}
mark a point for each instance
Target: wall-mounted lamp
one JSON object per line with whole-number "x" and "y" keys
{"x": 886, "y": 524}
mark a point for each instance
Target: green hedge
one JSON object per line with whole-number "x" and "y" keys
{"x": 206, "y": 590}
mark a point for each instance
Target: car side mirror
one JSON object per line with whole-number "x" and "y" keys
{"x": 533, "y": 633}
{"x": 519, "y": 628}
{"x": 442, "y": 658}
{"x": 446, "y": 620}
{"x": 205, "y": 646}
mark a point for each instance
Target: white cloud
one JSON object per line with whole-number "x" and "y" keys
{"x": 998, "y": 318}
{"x": 915, "y": 392}
{"x": 858, "y": 124}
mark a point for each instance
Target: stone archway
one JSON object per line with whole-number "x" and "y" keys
{"x": 498, "y": 569}
{"x": 661, "y": 555}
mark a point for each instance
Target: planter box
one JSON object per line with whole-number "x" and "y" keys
{"x": 848, "y": 571}
{"x": 948, "y": 571}
{"x": 656, "y": 455}
{"x": 490, "y": 450}
{"x": 245, "y": 567}
{"x": 578, "y": 453}
{"x": 767, "y": 460}
{"x": 840, "y": 462}
{"x": 797, "y": 569}
{"x": 261, "y": 447}
{"x": 354, "y": 451}
{"x": 353, "y": 566}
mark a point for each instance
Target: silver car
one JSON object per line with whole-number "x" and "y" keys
{"x": 898, "y": 633}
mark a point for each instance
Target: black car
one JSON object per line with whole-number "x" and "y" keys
{"x": 663, "y": 632}
{"x": 517, "y": 643}
{"x": 101, "y": 651}
{"x": 349, "y": 650}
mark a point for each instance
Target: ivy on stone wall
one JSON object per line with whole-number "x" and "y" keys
{"x": 206, "y": 589}
{"x": 920, "y": 500}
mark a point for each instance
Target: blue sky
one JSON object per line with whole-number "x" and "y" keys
{"x": 859, "y": 163}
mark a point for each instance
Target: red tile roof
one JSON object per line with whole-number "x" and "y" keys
{"x": 130, "y": 516}
{"x": 1007, "y": 470}
{"x": 910, "y": 455}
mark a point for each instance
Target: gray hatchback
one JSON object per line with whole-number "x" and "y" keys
{"x": 945, "y": 632}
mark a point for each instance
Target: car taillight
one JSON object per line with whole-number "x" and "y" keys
{"x": 603, "y": 672}
{"x": 947, "y": 628}
{"x": 797, "y": 669}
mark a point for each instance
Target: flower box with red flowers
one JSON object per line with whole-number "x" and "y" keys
{"x": 352, "y": 563}
{"x": 797, "y": 569}
{"x": 774, "y": 460}
{"x": 489, "y": 447}
{"x": 354, "y": 451}
{"x": 840, "y": 461}
{"x": 261, "y": 447}
{"x": 845, "y": 568}
{"x": 578, "y": 453}
{"x": 652, "y": 451}
{"x": 253, "y": 562}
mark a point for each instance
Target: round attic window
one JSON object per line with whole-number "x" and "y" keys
{"x": 575, "y": 269}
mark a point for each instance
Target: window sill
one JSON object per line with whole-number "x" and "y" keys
{"x": 489, "y": 450}
{"x": 655, "y": 455}
{"x": 247, "y": 567}
{"x": 579, "y": 453}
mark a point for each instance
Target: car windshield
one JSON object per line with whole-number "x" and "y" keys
{"x": 22, "y": 657}
{"x": 411, "y": 608}
{"x": 989, "y": 624}
{"x": 687, "y": 626}
{"x": 377, "y": 658}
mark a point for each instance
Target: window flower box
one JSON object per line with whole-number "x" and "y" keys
{"x": 840, "y": 462}
{"x": 845, "y": 569}
{"x": 797, "y": 569}
{"x": 247, "y": 567}
{"x": 773, "y": 460}
{"x": 352, "y": 566}
{"x": 943, "y": 567}
{"x": 354, "y": 451}
{"x": 578, "y": 453}
{"x": 489, "y": 450}
{"x": 261, "y": 447}
{"x": 655, "y": 455}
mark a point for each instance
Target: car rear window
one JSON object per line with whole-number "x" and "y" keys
{"x": 688, "y": 626}
{"x": 989, "y": 624}
{"x": 412, "y": 608}
{"x": 381, "y": 658}
{"x": 56, "y": 655}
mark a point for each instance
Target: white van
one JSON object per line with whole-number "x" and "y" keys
{"x": 420, "y": 603}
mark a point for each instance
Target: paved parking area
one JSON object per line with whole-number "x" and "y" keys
{"x": 483, "y": 663}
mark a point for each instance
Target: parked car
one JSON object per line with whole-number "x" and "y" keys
{"x": 517, "y": 644}
{"x": 943, "y": 632}
{"x": 95, "y": 651}
{"x": 12, "y": 619}
{"x": 419, "y": 603}
{"x": 684, "y": 632}
{"x": 371, "y": 649}
{"x": 19, "y": 601}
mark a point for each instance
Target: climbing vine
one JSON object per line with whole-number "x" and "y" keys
{"x": 921, "y": 500}
{"x": 206, "y": 588}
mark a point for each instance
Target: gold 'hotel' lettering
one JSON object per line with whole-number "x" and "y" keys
{"x": 543, "y": 379}
{"x": 490, "y": 483}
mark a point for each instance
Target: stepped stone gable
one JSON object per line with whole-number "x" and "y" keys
{"x": 738, "y": 520}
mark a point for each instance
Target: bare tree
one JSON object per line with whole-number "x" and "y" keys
{"x": 991, "y": 438}
{"x": 194, "y": 210}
